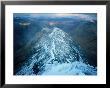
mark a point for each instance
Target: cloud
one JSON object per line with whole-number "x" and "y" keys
{"x": 87, "y": 17}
